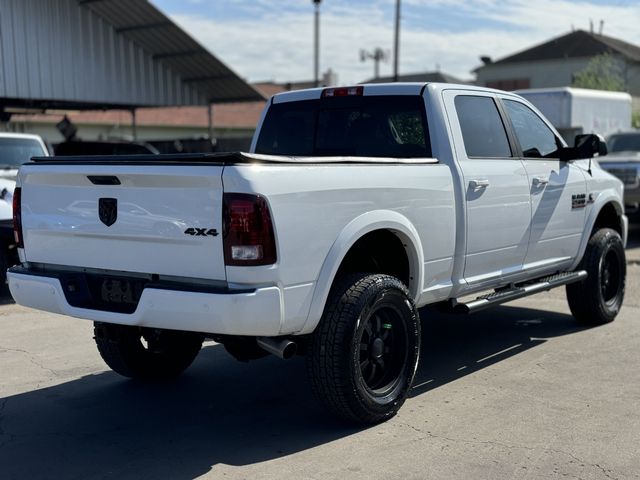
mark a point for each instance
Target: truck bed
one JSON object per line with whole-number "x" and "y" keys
{"x": 222, "y": 158}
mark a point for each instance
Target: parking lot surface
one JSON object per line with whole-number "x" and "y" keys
{"x": 520, "y": 391}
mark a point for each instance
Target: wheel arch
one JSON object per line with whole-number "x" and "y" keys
{"x": 609, "y": 216}
{"x": 607, "y": 212}
{"x": 380, "y": 222}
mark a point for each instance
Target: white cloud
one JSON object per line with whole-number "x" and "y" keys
{"x": 278, "y": 45}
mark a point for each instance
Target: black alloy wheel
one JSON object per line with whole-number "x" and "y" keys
{"x": 383, "y": 349}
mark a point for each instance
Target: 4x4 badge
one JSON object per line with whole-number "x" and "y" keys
{"x": 108, "y": 210}
{"x": 201, "y": 232}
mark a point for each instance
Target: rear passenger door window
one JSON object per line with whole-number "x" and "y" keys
{"x": 536, "y": 139}
{"x": 482, "y": 129}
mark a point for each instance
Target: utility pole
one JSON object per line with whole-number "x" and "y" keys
{"x": 378, "y": 55}
{"x": 396, "y": 45}
{"x": 316, "y": 45}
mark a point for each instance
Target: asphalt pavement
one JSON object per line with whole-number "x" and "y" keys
{"x": 517, "y": 392}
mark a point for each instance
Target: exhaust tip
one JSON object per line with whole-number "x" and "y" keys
{"x": 289, "y": 351}
{"x": 280, "y": 347}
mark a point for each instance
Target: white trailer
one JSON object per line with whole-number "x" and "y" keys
{"x": 578, "y": 110}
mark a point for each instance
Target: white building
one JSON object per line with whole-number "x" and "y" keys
{"x": 555, "y": 63}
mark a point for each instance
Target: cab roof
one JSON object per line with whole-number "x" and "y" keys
{"x": 395, "y": 88}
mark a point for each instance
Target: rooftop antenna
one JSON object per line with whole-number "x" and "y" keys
{"x": 591, "y": 25}
{"x": 601, "y": 27}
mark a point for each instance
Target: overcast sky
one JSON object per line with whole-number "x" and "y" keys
{"x": 273, "y": 39}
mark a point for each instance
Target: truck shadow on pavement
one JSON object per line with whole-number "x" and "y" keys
{"x": 454, "y": 345}
{"x": 225, "y": 412}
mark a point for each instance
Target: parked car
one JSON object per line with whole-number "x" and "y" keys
{"x": 623, "y": 161}
{"x": 356, "y": 206}
{"x": 15, "y": 149}
{"x": 113, "y": 147}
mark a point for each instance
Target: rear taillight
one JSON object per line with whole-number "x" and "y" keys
{"x": 248, "y": 231}
{"x": 17, "y": 217}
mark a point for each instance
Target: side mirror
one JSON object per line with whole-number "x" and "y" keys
{"x": 589, "y": 145}
{"x": 585, "y": 146}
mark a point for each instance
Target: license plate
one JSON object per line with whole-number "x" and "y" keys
{"x": 117, "y": 291}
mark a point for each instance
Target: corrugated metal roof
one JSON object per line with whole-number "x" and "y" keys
{"x": 101, "y": 54}
{"x": 144, "y": 24}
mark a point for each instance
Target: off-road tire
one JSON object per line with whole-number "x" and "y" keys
{"x": 166, "y": 355}
{"x": 598, "y": 298}
{"x": 345, "y": 340}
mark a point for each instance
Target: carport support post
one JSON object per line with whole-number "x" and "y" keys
{"x": 210, "y": 121}
{"x": 134, "y": 128}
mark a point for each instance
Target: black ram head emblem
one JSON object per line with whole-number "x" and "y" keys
{"x": 108, "y": 210}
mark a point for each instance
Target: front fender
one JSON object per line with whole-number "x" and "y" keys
{"x": 352, "y": 232}
{"x": 605, "y": 197}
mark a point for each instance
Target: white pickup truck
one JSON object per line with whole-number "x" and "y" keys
{"x": 355, "y": 206}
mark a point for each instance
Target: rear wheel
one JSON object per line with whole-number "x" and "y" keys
{"x": 364, "y": 353}
{"x": 146, "y": 353}
{"x": 598, "y": 298}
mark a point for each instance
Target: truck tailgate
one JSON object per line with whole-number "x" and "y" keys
{"x": 151, "y": 219}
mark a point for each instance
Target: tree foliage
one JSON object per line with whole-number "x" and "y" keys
{"x": 603, "y": 72}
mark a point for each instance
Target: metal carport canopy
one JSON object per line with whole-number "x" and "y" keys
{"x": 148, "y": 27}
{"x": 91, "y": 54}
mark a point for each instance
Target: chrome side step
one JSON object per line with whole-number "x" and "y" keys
{"x": 519, "y": 291}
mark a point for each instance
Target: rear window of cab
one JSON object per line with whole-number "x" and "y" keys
{"x": 367, "y": 126}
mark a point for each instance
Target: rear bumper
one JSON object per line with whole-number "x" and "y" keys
{"x": 254, "y": 313}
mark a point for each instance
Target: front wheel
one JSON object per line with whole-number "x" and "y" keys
{"x": 364, "y": 353}
{"x": 146, "y": 353}
{"x": 598, "y": 298}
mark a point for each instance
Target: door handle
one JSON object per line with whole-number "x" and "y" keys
{"x": 478, "y": 184}
{"x": 539, "y": 181}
